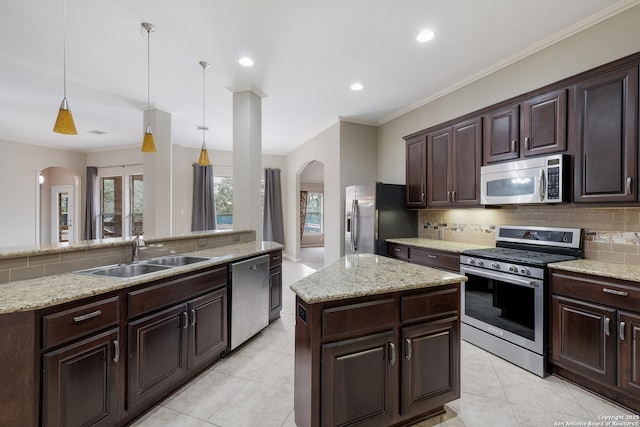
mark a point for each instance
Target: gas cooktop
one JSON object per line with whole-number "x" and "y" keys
{"x": 519, "y": 256}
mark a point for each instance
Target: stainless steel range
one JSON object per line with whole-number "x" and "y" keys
{"x": 504, "y": 302}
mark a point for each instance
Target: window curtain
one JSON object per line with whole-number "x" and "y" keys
{"x": 91, "y": 204}
{"x": 272, "y": 225}
{"x": 303, "y": 211}
{"x": 203, "y": 214}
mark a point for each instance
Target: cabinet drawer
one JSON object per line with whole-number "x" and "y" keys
{"x": 430, "y": 305}
{"x": 275, "y": 259}
{"x": 436, "y": 259}
{"x": 76, "y": 322}
{"x": 610, "y": 292}
{"x": 399, "y": 251}
{"x": 357, "y": 319}
{"x": 174, "y": 291}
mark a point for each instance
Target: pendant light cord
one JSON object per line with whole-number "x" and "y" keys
{"x": 204, "y": 67}
{"x": 148, "y": 75}
{"x": 64, "y": 48}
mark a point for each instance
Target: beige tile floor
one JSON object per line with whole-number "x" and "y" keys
{"x": 253, "y": 387}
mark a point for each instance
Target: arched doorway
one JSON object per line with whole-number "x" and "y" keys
{"x": 312, "y": 215}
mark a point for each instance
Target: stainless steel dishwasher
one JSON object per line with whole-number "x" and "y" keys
{"x": 249, "y": 298}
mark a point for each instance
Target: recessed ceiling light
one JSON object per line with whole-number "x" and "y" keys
{"x": 245, "y": 61}
{"x": 356, "y": 87}
{"x": 425, "y": 36}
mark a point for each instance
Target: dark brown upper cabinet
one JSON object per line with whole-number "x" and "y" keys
{"x": 534, "y": 127}
{"x": 416, "y": 172}
{"x": 544, "y": 123}
{"x": 605, "y": 137}
{"x": 453, "y": 171}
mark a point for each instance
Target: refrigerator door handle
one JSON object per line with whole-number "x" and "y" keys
{"x": 354, "y": 225}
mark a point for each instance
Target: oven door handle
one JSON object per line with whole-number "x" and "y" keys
{"x": 498, "y": 276}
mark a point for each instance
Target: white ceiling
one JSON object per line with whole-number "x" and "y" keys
{"x": 307, "y": 54}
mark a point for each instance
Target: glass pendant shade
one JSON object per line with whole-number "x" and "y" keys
{"x": 64, "y": 122}
{"x": 148, "y": 144}
{"x": 203, "y": 160}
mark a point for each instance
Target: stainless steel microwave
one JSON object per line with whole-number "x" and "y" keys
{"x": 535, "y": 180}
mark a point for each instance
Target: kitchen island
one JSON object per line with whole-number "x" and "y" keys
{"x": 377, "y": 343}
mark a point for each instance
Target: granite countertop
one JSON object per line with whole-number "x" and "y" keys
{"x": 441, "y": 245}
{"x": 600, "y": 268}
{"x": 367, "y": 274}
{"x": 32, "y": 294}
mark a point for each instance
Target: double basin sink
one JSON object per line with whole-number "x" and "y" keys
{"x": 153, "y": 265}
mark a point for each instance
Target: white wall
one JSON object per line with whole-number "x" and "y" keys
{"x": 19, "y": 187}
{"x": 614, "y": 38}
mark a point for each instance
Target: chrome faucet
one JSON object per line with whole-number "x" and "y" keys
{"x": 138, "y": 241}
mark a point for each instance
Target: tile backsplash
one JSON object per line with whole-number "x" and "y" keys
{"x": 611, "y": 234}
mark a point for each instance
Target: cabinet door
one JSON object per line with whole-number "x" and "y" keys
{"x": 208, "y": 328}
{"x": 584, "y": 338}
{"x": 275, "y": 293}
{"x": 157, "y": 353}
{"x": 416, "y": 171}
{"x": 467, "y": 155}
{"x": 430, "y": 366}
{"x": 605, "y": 137}
{"x": 501, "y": 134}
{"x": 359, "y": 381}
{"x": 629, "y": 352}
{"x": 80, "y": 382}
{"x": 544, "y": 123}
{"x": 439, "y": 146}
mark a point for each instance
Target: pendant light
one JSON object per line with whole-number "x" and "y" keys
{"x": 203, "y": 160}
{"x": 64, "y": 121}
{"x": 148, "y": 144}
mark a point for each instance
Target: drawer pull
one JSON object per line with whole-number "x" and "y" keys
{"x": 621, "y": 331}
{"x": 607, "y": 329}
{"x": 614, "y": 292}
{"x": 116, "y": 350}
{"x": 408, "y": 355}
{"x": 392, "y": 350}
{"x": 193, "y": 317}
{"x": 275, "y": 258}
{"x": 432, "y": 256}
{"x": 396, "y": 249}
{"x": 87, "y": 316}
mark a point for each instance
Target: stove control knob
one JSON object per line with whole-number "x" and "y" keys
{"x": 479, "y": 262}
{"x": 513, "y": 269}
{"x": 471, "y": 261}
{"x": 495, "y": 265}
{"x": 525, "y": 271}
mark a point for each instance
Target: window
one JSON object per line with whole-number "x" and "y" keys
{"x": 111, "y": 206}
{"x": 223, "y": 193}
{"x": 137, "y": 205}
{"x": 313, "y": 221}
{"x": 120, "y": 215}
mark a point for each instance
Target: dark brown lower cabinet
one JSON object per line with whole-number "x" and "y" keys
{"x": 582, "y": 338}
{"x": 165, "y": 346}
{"x": 594, "y": 334}
{"x": 80, "y": 382}
{"x": 434, "y": 345}
{"x": 387, "y": 360}
{"x": 275, "y": 292}
{"x": 359, "y": 381}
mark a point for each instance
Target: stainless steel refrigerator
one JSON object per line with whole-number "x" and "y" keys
{"x": 376, "y": 212}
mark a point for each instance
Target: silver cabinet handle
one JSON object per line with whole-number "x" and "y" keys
{"x": 607, "y": 330}
{"x": 448, "y": 196}
{"x": 543, "y": 185}
{"x": 396, "y": 249}
{"x": 116, "y": 351}
{"x": 193, "y": 317}
{"x": 409, "y": 350}
{"x": 453, "y": 196}
{"x": 527, "y": 144}
{"x": 614, "y": 292}
{"x": 185, "y": 320}
{"x": 432, "y": 256}
{"x": 621, "y": 331}
{"x": 627, "y": 189}
{"x": 392, "y": 350}
{"x": 514, "y": 146}
{"x": 422, "y": 198}
{"x": 87, "y": 316}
